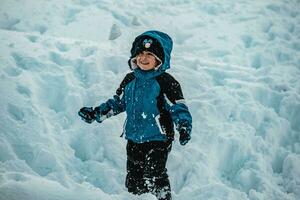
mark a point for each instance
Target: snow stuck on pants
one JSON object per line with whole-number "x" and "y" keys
{"x": 238, "y": 63}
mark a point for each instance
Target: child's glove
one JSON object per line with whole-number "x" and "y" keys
{"x": 184, "y": 136}
{"x": 184, "y": 130}
{"x": 102, "y": 112}
{"x": 87, "y": 114}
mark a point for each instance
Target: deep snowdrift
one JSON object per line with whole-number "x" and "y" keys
{"x": 239, "y": 66}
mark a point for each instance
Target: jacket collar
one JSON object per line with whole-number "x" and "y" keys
{"x": 142, "y": 74}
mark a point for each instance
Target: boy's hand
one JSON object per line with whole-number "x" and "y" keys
{"x": 87, "y": 114}
{"x": 184, "y": 136}
{"x": 102, "y": 112}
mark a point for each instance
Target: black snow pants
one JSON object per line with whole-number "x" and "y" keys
{"x": 146, "y": 169}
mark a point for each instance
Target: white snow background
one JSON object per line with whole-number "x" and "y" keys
{"x": 238, "y": 63}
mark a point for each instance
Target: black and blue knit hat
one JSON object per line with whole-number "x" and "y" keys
{"x": 147, "y": 43}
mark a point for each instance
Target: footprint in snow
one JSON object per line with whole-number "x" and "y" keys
{"x": 12, "y": 71}
{"x": 9, "y": 23}
{"x": 24, "y": 91}
{"x": 16, "y": 112}
{"x": 59, "y": 59}
{"x": 71, "y": 15}
{"x": 40, "y": 28}
{"x": 26, "y": 62}
{"x": 32, "y": 38}
{"x": 88, "y": 51}
{"x": 62, "y": 47}
{"x": 247, "y": 40}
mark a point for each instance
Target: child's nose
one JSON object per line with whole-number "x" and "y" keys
{"x": 144, "y": 56}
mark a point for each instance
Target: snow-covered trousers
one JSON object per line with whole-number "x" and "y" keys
{"x": 146, "y": 168}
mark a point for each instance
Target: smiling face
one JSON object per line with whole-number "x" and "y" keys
{"x": 146, "y": 60}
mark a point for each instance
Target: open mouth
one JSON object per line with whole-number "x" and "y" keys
{"x": 144, "y": 63}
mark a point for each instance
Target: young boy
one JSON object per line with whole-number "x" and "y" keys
{"x": 153, "y": 102}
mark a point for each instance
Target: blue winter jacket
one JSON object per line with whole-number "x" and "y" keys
{"x": 148, "y": 95}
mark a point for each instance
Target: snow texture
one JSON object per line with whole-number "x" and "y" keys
{"x": 238, "y": 63}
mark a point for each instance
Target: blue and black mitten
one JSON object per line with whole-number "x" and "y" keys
{"x": 100, "y": 113}
{"x": 87, "y": 114}
{"x": 184, "y": 130}
{"x": 184, "y": 137}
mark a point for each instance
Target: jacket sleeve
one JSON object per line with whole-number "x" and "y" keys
{"x": 179, "y": 111}
{"x": 114, "y": 105}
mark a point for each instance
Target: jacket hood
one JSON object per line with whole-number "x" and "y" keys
{"x": 165, "y": 42}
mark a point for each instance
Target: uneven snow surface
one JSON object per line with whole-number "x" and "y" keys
{"x": 238, "y": 63}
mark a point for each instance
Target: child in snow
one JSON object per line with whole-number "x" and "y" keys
{"x": 153, "y": 102}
